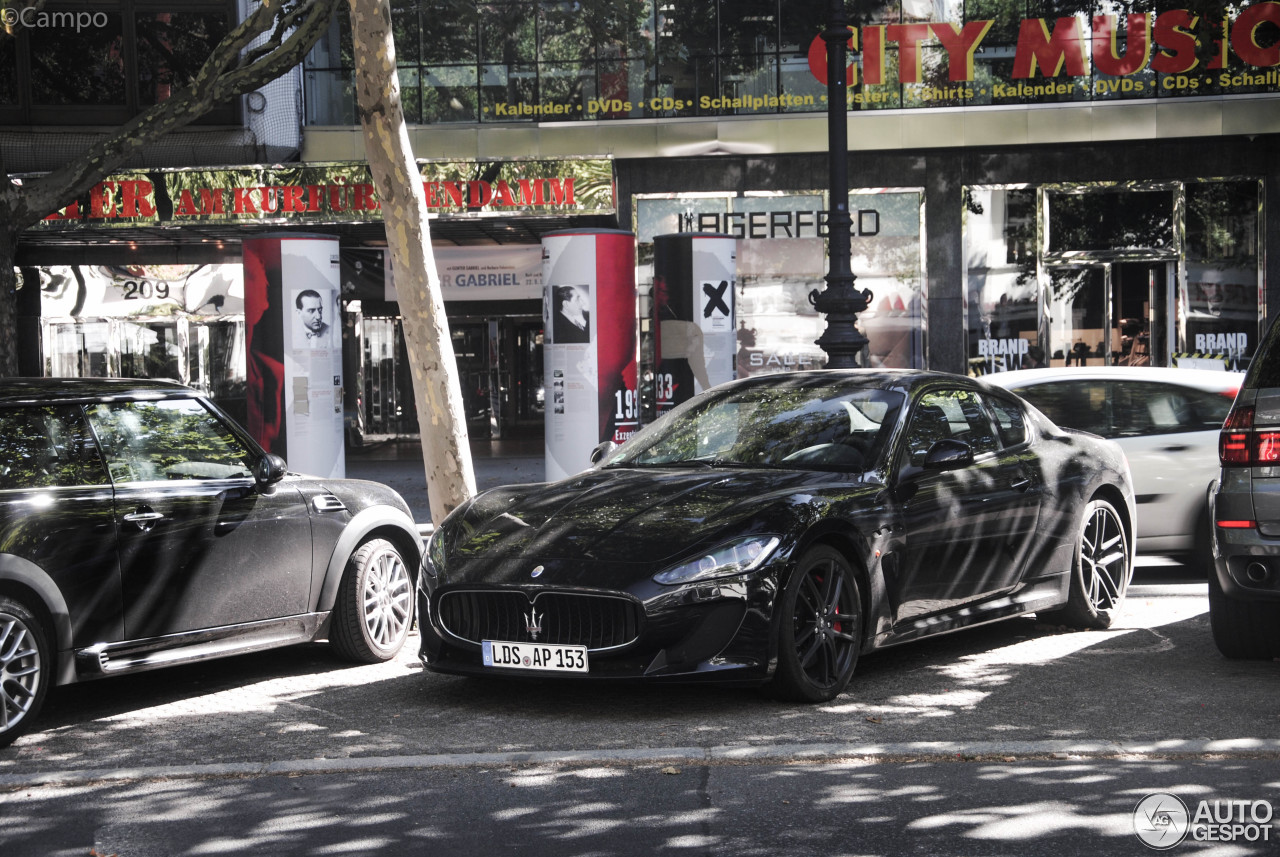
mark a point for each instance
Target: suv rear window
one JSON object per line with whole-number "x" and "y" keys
{"x": 1264, "y": 369}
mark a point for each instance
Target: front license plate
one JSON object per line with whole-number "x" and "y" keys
{"x": 534, "y": 656}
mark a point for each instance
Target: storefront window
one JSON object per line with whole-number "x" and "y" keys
{"x": 1109, "y": 219}
{"x": 8, "y": 72}
{"x": 1220, "y": 302}
{"x": 1114, "y": 285}
{"x": 150, "y": 350}
{"x": 77, "y": 349}
{"x": 388, "y": 391}
{"x": 1000, "y": 265}
{"x": 447, "y": 30}
{"x": 449, "y": 94}
{"x": 781, "y": 259}
{"x": 102, "y": 63}
{"x": 508, "y": 33}
{"x": 78, "y": 66}
{"x": 172, "y": 46}
{"x": 181, "y": 322}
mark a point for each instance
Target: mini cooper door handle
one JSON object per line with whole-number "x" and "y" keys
{"x": 144, "y": 519}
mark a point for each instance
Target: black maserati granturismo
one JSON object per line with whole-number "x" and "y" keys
{"x": 774, "y": 528}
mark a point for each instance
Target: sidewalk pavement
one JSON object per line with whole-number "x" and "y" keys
{"x": 398, "y": 463}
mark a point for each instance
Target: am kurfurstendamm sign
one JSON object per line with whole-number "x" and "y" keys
{"x": 313, "y": 194}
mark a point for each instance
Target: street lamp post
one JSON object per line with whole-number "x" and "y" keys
{"x": 840, "y": 301}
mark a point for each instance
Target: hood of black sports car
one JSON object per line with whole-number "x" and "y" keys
{"x": 634, "y": 515}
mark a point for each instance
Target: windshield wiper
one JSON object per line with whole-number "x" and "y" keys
{"x": 687, "y": 462}
{"x": 763, "y": 465}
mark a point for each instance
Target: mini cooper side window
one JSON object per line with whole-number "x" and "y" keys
{"x": 167, "y": 439}
{"x": 42, "y": 447}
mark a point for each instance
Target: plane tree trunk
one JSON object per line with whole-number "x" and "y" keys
{"x": 441, "y": 417}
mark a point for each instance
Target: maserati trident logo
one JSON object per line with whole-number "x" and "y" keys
{"x": 533, "y": 623}
{"x": 537, "y": 571}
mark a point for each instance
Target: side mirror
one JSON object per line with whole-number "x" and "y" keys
{"x": 948, "y": 454}
{"x": 269, "y": 470}
{"x": 601, "y": 452}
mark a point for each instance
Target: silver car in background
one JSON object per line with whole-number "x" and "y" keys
{"x": 1167, "y": 422}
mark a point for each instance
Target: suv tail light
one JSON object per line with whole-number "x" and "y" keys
{"x": 1241, "y": 445}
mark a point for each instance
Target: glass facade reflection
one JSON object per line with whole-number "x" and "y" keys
{"x": 550, "y": 60}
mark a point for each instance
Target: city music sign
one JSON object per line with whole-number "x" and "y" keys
{"x": 1166, "y": 43}
{"x": 335, "y": 193}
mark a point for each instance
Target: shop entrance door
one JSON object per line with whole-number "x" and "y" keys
{"x": 1103, "y": 313}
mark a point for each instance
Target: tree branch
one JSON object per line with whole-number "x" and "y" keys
{"x": 226, "y": 74}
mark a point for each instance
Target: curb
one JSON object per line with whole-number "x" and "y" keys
{"x": 922, "y": 751}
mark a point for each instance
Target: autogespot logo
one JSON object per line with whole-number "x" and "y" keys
{"x": 1162, "y": 821}
{"x": 36, "y": 19}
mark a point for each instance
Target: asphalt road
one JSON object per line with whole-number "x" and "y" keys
{"x": 1016, "y": 738}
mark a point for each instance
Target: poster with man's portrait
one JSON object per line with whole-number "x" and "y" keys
{"x": 313, "y": 318}
{"x": 570, "y": 314}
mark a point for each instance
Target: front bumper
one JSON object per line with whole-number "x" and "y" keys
{"x": 708, "y": 632}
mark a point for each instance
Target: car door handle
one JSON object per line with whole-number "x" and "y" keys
{"x": 1020, "y": 484}
{"x": 144, "y": 519}
{"x": 1177, "y": 447}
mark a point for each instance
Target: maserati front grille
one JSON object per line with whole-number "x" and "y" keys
{"x": 562, "y": 618}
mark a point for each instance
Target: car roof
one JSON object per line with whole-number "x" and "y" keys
{"x": 26, "y": 390}
{"x": 1202, "y": 379}
{"x": 887, "y": 378}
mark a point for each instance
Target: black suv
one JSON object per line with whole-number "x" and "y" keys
{"x": 140, "y": 527}
{"x": 1244, "y": 594}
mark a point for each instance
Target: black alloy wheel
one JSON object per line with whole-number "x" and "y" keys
{"x": 821, "y": 628}
{"x": 1101, "y": 570}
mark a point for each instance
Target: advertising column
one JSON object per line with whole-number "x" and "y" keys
{"x": 694, "y": 277}
{"x": 589, "y": 345}
{"x": 295, "y": 351}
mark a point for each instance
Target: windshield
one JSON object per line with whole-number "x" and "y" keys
{"x": 793, "y": 426}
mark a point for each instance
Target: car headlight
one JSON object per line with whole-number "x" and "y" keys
{"x": 435, "y": 552}
{"x": 735, "y": 557}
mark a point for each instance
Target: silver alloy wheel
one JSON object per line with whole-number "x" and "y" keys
{"x": 1104, "y": 558}
{"x": 387, "y": 598}
{"x": 20, "y": 668}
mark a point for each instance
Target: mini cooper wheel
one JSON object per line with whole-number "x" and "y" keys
{"x": 1100, "y": 571}
{"x": 25, "y": 669}
{"x": 820, "y": 632}
{"x": 374, "y": 610}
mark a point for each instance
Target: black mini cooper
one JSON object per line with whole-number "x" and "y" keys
{"x": 140, "y": 527}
